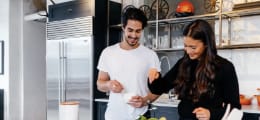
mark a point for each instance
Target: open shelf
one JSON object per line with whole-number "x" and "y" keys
{"x": 242, "y": 13}
{"x": 167, "y": 49}
{"x": 217, "y": 17}
{"x": 40, "y": 16}
{"x": 240, "y": 46}
{"x": 212, "y": 16}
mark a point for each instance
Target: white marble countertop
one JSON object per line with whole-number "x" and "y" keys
{"x": 164, "y": 103}
{"x": 251, "y": 109}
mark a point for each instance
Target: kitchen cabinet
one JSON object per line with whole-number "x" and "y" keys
{"x": 251, "y": 116}
{"x": 101, "y": 109}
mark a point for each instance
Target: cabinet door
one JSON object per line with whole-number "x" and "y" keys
{"x": 102, "y": 106}
{"x": 251, "y": 116}
{"x": 171, "y": 113}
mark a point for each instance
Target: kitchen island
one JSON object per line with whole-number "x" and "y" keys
{"x": 158, "y": 109}
{"x": 169, "y": 109}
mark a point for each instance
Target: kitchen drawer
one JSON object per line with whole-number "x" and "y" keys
{"x": 71, "y": 9}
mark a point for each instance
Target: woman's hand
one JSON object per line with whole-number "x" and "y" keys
{"x": 153, "y": 74}
{"x": 202, "y": 113}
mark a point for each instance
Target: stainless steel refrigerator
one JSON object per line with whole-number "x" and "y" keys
{"x": 69, "y": 62}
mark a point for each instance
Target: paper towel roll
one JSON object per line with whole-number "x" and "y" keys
{"x": 69, "y": 110}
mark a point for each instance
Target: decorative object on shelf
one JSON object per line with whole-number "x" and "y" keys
{"x": 147, "y": 10}
{"x": 126, "y": 7}
{"x": 247, "y": 5}
{"x": 171, "y": 15}
{"x": 40, "y": 5}
{"x": 227, "y": 5}
{"x": 184, "y": 8}
{"x": 163, "y": 9}
{"x": 178, "y": 27}
{"x": 211, "y": 6}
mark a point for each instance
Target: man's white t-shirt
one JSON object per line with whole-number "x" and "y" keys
{"x": 130, "y": 68}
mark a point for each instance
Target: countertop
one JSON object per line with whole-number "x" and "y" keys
{"x": 163, "y": 103}
{"x": 251, "y": 109}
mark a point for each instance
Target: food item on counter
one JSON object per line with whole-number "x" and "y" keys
{"x": 244, "y": 100}
{"x": 258, "y": 99}
{"x": 163, "y": 118}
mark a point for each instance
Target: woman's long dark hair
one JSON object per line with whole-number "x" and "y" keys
{"x": 205, "y": 69}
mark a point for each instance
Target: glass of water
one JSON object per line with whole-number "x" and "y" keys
{"x": 172, "y": 95}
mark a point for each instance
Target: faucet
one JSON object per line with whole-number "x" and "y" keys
{"x": 167, "y": 59}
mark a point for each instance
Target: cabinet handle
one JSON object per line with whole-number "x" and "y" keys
{"x": 69, "y": 10}
{"x": 153, "y": 108}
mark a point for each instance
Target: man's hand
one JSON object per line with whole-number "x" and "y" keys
{"x": 115, "y": 86}
{"x": 137, "y": 101}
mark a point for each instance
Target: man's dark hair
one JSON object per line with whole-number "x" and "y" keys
{"x": 134, "y": 14}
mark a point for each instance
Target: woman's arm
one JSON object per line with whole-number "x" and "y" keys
{"x": 165, "y": 83}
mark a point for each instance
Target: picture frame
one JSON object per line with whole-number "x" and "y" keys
{"x": 1, "y": 57}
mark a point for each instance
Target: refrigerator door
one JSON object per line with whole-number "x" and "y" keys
{"x": 54, "y": 63}
{"x": 78, "y": 71}
{"x": 69, "y": 75}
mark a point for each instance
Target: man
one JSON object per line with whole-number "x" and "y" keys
{"x": 123, "y": 70}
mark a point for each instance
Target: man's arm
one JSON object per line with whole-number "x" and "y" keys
{"x": 104, "y": 84}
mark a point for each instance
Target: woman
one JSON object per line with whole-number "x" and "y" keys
{"x": 204, "y": 81}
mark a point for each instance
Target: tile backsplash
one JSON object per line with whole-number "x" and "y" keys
{"x": 247, "y": 65}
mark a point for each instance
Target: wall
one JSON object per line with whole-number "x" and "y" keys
{"x": 24, "y": 77}
{"x": 14, "y": 66}
{"x": 4, "y": 30}
{"x": 33, "y": 48}
{"x": 245, "y": 30}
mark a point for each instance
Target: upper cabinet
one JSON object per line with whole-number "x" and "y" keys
{"x": 167, "y": 18}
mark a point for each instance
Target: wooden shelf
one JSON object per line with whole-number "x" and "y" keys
{"x": 242, "y": 13}
{"x": 240, "y": 46}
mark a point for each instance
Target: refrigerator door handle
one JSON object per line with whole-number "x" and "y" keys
{"x": 62, "y": 74}
{"x": 65, "y": 72}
